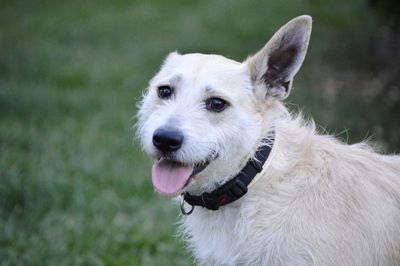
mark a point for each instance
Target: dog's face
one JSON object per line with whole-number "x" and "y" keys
{"x": 200, "y": 111}
{"x": 204, "y": 115}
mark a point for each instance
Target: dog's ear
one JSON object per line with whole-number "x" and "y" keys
{"x": 275, "y": 65}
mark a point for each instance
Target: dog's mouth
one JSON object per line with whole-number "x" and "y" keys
{"x": 170, "y": 177}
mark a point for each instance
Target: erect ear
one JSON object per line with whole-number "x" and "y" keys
{"x": 272, "y": 69}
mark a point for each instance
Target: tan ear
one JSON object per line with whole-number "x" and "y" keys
{"x": 274, "y": 66}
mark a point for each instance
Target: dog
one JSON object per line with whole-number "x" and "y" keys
{"x": 259, "y": 185}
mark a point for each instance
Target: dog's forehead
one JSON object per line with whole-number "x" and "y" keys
{"x": 198, "y": 60}
{"x": 206, "y": 71}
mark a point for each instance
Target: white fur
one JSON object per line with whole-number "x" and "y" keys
{"x": 319, "y": 201}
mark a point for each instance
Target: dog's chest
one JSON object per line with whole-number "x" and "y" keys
{"x": 216, "y": 236}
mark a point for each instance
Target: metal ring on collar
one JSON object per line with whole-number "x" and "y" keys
{"x": 182, "y": 205}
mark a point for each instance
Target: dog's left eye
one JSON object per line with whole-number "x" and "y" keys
{"x": 216, "y": 104}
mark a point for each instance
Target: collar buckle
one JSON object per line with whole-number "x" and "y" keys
{"x": 209, "y": 201}
{"x": 237, "y": 189}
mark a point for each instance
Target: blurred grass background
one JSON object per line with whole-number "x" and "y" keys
{"x": 74, "y": 187}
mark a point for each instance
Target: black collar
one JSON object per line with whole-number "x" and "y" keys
{"x": 235, "y": 188}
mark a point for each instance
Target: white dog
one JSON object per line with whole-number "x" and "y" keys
{"x": 218, "y": 129}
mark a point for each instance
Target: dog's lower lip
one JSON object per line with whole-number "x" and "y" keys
{"x": 199, "y": 168}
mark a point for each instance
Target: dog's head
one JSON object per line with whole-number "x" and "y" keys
{"x": 203, "y": 116}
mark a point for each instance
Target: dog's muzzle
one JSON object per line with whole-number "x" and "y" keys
{"x": 170, "y": 176}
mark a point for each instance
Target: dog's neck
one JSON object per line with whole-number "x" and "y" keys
{"x": 236, "y": 187}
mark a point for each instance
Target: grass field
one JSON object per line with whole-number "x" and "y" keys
{"x": 74, "y": 187}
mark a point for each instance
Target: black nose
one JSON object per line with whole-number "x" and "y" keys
{"x": 167, "y": 139}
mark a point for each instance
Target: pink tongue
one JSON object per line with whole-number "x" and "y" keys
{"x": 170, "y": 177}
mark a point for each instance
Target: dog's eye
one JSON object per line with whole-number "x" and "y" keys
{"x": 164, "y": 92}
{"x": 216, "y": 104}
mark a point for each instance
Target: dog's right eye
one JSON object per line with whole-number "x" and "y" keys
{"x": 164, "y": 92}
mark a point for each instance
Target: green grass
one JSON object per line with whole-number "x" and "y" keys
{"x": 74, "y": 186}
